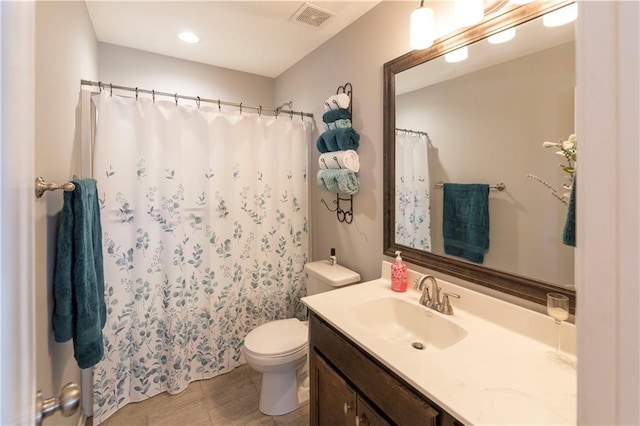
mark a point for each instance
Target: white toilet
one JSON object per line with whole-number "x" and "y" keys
{"x": 278, "y": 349}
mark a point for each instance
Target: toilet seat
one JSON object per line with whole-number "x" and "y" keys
{"x": 277, "y": 339}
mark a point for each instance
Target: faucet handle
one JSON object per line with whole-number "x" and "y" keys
{"x": 425, "y": 299}
{"x": 445, "y": 306}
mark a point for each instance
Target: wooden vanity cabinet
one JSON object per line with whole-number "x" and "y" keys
{"x": 349, "y": 387}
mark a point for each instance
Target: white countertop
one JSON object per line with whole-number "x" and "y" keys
{"x": 494, "y": 376}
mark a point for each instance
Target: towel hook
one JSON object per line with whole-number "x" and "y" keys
{"x": 337, "y": 162}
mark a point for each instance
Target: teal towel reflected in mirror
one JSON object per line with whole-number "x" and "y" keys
{"x": 79, "y": 311}
{"x": 569, "y": 231}
{"x": 465, "y": 222}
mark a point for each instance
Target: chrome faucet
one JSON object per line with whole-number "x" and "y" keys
{"x": 434, "y": 302}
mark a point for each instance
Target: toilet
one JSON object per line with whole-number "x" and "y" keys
{"x": 278, "y": 349}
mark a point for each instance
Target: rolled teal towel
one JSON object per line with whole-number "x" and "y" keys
{"x": 79, "y": 311}
{"x": 338, "y": 140}
{"x": 569, "y": 231}
{"x": 338, "y": 124}
{"x": 336, "y": 114}
{"x": 342, "y": 181}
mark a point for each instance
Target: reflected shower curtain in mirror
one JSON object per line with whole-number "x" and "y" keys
{"x": 205, "y": 233}
{"x": 413, "y": 220}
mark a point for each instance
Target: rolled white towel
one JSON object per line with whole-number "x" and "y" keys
{"x": 341, "y": 100}
{"x": 348, "y": 159}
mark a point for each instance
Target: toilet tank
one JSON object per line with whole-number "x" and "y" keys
{"x": 323, "y": 276}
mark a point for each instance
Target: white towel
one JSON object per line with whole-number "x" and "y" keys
{"x": 348, "y": 159}
{"x": 341, "y": 100}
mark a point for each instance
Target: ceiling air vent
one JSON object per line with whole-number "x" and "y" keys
{"x": 311, "y": 15}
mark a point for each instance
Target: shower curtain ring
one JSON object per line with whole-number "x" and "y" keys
{"x": 100, "y": 86}
{"x": 219, "y": 109}
{"x": 291, "y": 113}
{"x": 277, "y": 111}
{"x": 176, "y": 98}
{"x": 301, "y": 116}
{"x": 198, "y": 102}
{"x": 153, "y": 95}
{"x": 260, "y": 111}
{"x": 136, "y": 93}
{"x": 240, "y": 107}
{"x": 110, "y": 89}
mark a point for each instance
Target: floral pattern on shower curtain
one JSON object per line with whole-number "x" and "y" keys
{"x": 204, "y": 216}
{"x": 413, "y": 208}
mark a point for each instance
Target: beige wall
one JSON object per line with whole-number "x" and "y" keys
{"x": 136, "y": 68}
{"x": 355, "y": 55}
{"x": 508, "y": 110}
{"x": 66, "y": 51}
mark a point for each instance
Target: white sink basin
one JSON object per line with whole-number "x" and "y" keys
{"x": 404, "y": 323}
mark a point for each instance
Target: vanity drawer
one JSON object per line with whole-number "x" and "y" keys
{"x": 391, "y": 395}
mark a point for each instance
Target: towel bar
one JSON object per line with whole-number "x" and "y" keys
{"x": 499, "y": 186}
{"x": 42, "y": 187}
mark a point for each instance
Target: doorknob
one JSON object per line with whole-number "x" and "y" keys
{"x": 67, "y": 402}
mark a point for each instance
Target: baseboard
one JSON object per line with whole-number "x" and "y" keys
{"x": 82, "y": 420}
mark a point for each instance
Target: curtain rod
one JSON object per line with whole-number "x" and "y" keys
{"x": 196, "y": 99}
{"x": 415, "y": 132}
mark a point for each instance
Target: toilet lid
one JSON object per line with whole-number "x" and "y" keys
{"x": 277, "y": 337}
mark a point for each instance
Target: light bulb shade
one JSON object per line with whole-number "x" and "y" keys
{"x": 422, "y": 28}
{"x": 457, "y": 55}
{"x": 561, "y": 16}
{"x": 468, "y": 12}
{"x": 503, "y": 36}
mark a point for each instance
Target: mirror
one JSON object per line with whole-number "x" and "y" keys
{"x": 483, "y": 120}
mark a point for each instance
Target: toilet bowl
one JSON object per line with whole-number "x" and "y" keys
{"x": 278, "y": 349}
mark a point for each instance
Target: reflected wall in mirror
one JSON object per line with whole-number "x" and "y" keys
{"x": 483, "y": 120}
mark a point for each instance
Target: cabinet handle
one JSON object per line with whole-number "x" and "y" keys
{"x": 361, "y": 420}
{"x": 347, "y": 406}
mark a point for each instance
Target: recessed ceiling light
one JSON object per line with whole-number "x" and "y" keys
{"x": 188, "y": 37}
{"x": 457, "y": 55}
{"x": 502, "y": 37}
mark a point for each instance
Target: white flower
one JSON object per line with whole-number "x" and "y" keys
{"x": 567, "y": 145}
{"x": 549, "y": 144}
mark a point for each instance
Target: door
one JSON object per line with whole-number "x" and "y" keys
{"x": 17, "y": 124}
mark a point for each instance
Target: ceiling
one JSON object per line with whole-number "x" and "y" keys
{"x": 257, "y": 37}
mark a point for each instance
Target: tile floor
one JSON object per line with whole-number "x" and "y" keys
{"x": 228, "y": 399}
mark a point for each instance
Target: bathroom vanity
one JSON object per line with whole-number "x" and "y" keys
{"x": 348, "y": 385}
{"x": 485, "y": 364}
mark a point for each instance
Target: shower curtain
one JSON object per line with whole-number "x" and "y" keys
{"x": 413, "y": 221}
{"x": 204, "y": 217}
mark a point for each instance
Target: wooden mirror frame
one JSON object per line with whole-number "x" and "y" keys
{"x": 512, "y": 284}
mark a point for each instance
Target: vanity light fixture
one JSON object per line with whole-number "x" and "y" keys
{"x": 503, "y": 36}
{"x": 422, "y": 28}
{"x": 561, "y": 16}
{"x": 189, "y": 37}
{"x": 468, "y": 12}
{"x": 457, "y": 55}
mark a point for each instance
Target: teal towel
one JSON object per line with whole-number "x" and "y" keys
{"x": 340, "y": 139}
{"x": 465, "y": 222}
{"x": 336, "y": 114}
{"x": 342, "y": 181}
{"x": 569, "y": 231}
{"x": 79, "y": 311}
{"x": 342, "y": 123}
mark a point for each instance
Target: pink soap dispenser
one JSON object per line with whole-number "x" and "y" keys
{"x": 398, "y": 274}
